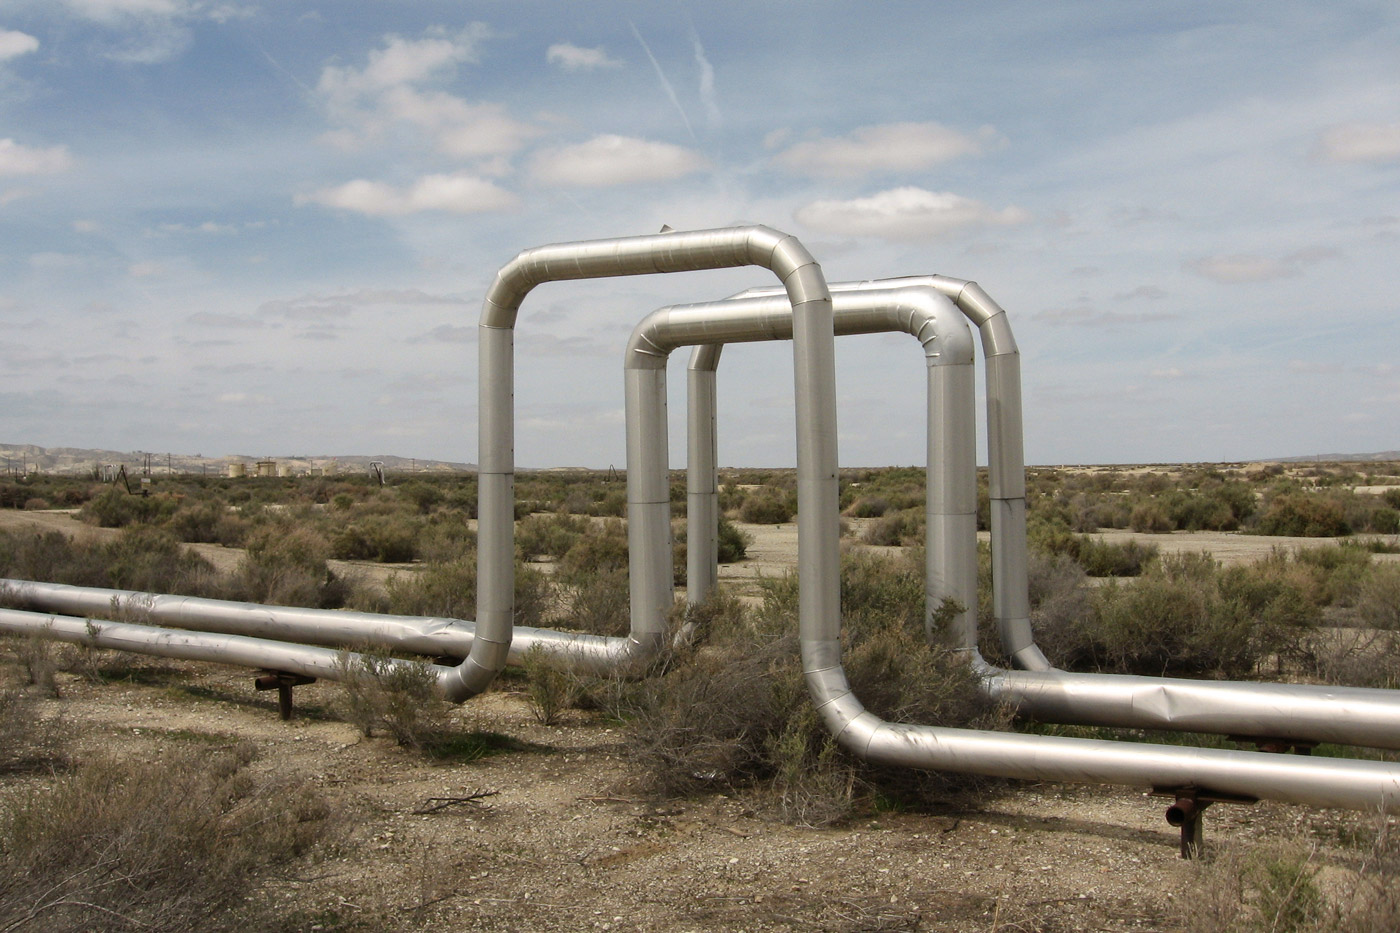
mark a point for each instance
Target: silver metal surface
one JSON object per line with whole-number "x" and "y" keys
{"x": 810, "y": 300}
{"x": 236, "y": 650}
{"x": 1291, "y": 712}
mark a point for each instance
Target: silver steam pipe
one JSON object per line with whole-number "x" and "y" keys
{"x": 1237, "y": 775}
{"x": 1291, "y": 712}
{"x": 923, "y": 313}
{"x": 1006, "y": 458}
{"x": 648, "y": 506}
{"x": 236, "y": 650}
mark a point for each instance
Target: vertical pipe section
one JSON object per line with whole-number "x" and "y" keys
{"x": 668, "y": 252}
{"x": 1006, "y": 456}
{"x": 702, "y": 475}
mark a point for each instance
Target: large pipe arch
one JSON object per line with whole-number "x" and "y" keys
{"x": 1265, "y": 712}
{"x": 815, "y": 378}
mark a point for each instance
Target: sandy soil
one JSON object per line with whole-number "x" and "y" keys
{"x": 568, "y": 843}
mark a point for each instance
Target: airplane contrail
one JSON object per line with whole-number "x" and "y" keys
{"x": 665, "y": 84}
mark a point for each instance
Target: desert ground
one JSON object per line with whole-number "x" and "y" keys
{"x": 567, "y": 841}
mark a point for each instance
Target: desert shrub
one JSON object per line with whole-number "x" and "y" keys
{"x": 210, "y": 522}
{"x": 1391, "y": 497}
{"x": 1060, "y": 600}
{"x": 447, "y": 589}
{"x": 768, "y": 507}
{"x": 423, "y": 495}
{"x": 28, "y": 740}
{"x": 285, "y": 564}
{"x": 1101, "y": 558}
{"x": 868, "y": 507}
{"x": 446, "y": 536}
{"x": 736, "y": 715}
{"x": 549, "y": 690}
{"x": 1303, "y": 515}
{"x": 395, "y": 696}
{"x": 174, "y": 845}
{"x": 603, "y": 548}
{"x": 151, "y": 560}
{"x": 1176, "y": 619}
{"x": 733, "y": 542}
{"x": 541, "y": 536}
{"x": 115, "y": 508}
{"x": 898, "y": 528}
{"x": 387, "y": 539}
{"x": 597, "y": 603}
{"x": 1378, "y": 604}
{"x": 50, "y": 556}
{"x": 1150, "y": 518}
{"x": 1098, "y": 556}
{"x": 1336, "y": 571}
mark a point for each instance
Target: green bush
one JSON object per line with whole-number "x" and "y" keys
{"x": 737, "y": 715}
{"x": 1303, "y": 515}
{"x": 395, "y": 696}
{"x": 1150, "y": 518}
{"x": 899, "y": 528}
{"x": 1186, "y": 616}
{"x": 285, "y": 565}
{"x": 549, "y": 536}
{"x": 733, "y": 542}
{"x": 769, "y": 507}
{"x": 115, "y": 508}
{"x": 602, "y": 549}
{"x": 387, "y": 539}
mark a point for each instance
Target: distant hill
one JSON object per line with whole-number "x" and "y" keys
{"x": 1343, "y": 458}
{"x": 29, "y": 458}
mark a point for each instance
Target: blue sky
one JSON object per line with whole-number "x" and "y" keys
{"x": 266, "y": 228}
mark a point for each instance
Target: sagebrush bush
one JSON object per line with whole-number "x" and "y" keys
{"x": 733, "y": 542}
{"x": 285, "y": 564}
{"x": 1187, "y": 616}
{"x": 175, "y": 845}
{"x": 768, "y": 507}
{"x": 895, "y": 529}
{"x": 737, "y": 714}
{"x": 394, "y": 696}
{"x": 1303, "y": 515}
{"x": 549, "y": 536}
{"x": 1378, "y": 604}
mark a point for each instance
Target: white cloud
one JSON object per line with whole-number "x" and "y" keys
{"x": 615, "y": 160}
{"x": 14, "y": 44}
{"x": 27, "y": 160}
{"x": 86, "y": 226}
{"x": 1360, "y": 142}
{"x": 888, "y": 147}
{"x": 145, "y": 269}
{"x": 1147, "y": 292}
{"x": 905, "y": 213}
{"x": 572, "y": 58}
{"x": 400, "y": 62}
{"x": 107, "y": 11}
{"x": 393, "y": 88}
{"x": 1086, "y": 316}
{"x": 1235, "y": 269}
{"x": 447, "y": 333}
{"x": 458, "y": 194}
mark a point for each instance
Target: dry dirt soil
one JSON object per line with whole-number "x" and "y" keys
{"x": 567, "y": 842}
